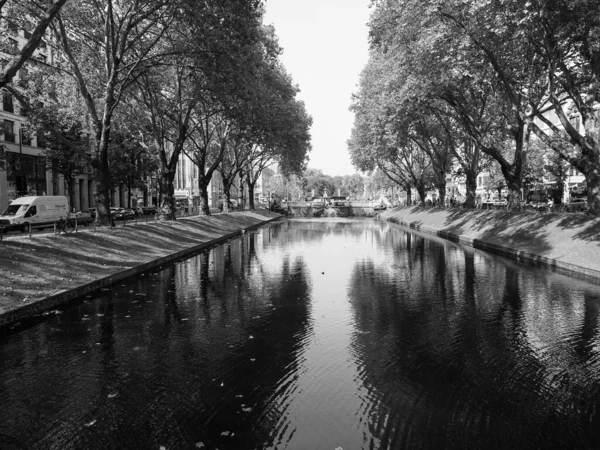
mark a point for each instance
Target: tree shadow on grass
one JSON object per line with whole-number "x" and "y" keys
{"x": 590, "y": 226}
{"x": 517, "y": 230}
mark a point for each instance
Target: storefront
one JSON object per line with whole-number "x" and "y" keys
{"x": 23, "y": 175}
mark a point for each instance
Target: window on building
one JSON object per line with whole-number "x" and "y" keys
{"x": 576, "y": 122}
{"x": 13, "y": 27}
{"x": 9, "y": 131}
{"x": 27, "y": 29}
{"x": 41, "y": 138}
{"x": 7, "y": 102}
{"x": 25, "y": 137}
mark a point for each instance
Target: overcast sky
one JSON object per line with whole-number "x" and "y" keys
{"x": 325, "y": 47}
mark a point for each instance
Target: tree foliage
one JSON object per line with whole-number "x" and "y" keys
{"x": 493, "y": 74}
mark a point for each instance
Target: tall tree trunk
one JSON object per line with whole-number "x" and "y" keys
{"x": 471, "y": 185}
{"x": 204, "y": 209}
{"x": 421, "y": 191}
{"x": 129, "y": 192}
{"x": 251, "y": 185}
{"x": 70, "y": 186}
{"x": 226, "y": 193}
{"x": 242, "y": 197}
{"x": 102, "y": 189}
{"x": 441, "y": 186}
{"x": 592, "y": 178}
{"x": 442, "y": 191}
{"x": 167, "y": 207}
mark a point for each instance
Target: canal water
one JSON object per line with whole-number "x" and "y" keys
{"x": 307, "y": 334}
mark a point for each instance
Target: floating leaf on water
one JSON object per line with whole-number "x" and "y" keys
{"x": 251, "y": 337}
{"x": 199, "y": 445}
{"x": 184, "y": 319}
{"x": 248, "y": 409}
{"x": 225, "y": 433}
{"x": 239, "y": 396}
{"x": 136, "y": 349}
{"x": 89, "y": 424}
{"x": 252, "y": 359}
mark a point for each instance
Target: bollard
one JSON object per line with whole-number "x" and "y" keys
{"x": 1, "y": 232}
{"x": 54, "y": 227}
{"x": 75, "y": 224}
{"x": 30, "y": 227}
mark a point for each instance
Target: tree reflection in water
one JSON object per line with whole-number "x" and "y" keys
{"x": 313, "y": 334}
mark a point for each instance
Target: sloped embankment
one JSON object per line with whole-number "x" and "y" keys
{"x": 568, "y": 241}
{"x": 49, "y": 269}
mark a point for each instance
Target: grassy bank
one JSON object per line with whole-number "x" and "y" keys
{"x": 561, "y": 239}
{"x": 46, "y": 265}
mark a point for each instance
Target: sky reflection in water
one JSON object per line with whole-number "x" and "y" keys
{"x": 313, "y": 335}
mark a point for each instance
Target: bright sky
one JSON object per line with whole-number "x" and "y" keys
{"x": 325, "y": 46}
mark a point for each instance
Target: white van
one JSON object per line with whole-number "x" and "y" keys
{"x": 34, "y": 211}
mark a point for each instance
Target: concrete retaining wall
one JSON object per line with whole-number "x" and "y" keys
{"x": 519, "y": 255}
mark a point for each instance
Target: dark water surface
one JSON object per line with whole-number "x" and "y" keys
{"x": 314, "y": 335}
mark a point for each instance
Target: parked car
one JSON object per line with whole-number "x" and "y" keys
{"x": 128, "y": 213}
{"x": 122, "y": 213}
{"x": 34, "y": 212}
{"x": 577, "y": 204}
{"x": 148, "y": 209}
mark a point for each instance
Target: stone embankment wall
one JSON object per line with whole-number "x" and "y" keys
{"x": 48, "y": 270}
{"x": 566, "y": 241}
